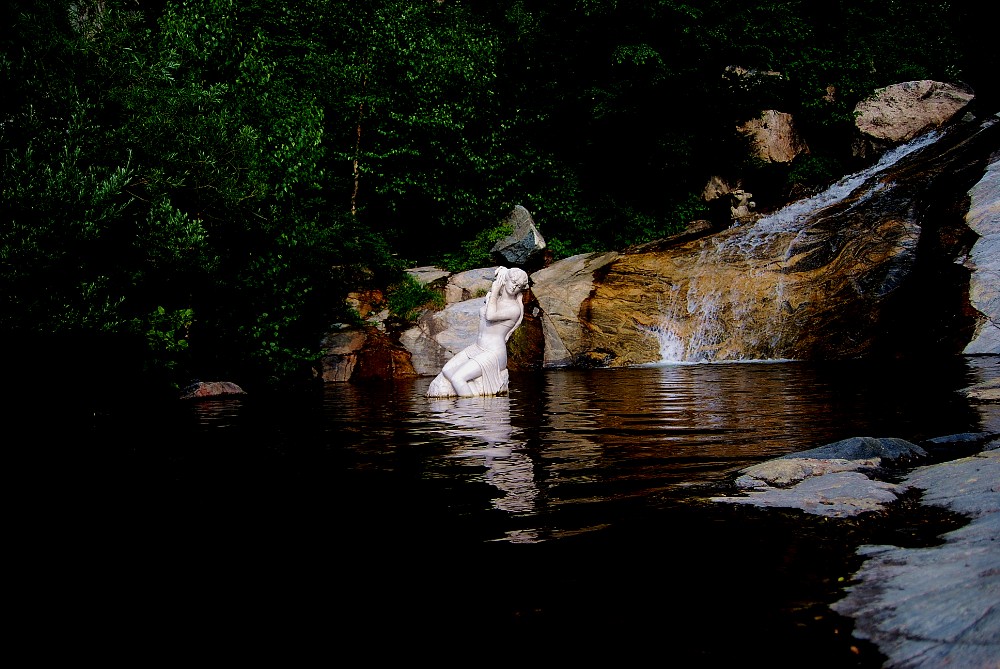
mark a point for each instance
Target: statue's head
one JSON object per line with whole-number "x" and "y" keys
{"x": 517, "y": 279}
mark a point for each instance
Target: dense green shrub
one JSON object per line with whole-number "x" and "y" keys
{"x": 408, "y": 298}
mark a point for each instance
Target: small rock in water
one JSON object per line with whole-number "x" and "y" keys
{"x": 202, "y": 389}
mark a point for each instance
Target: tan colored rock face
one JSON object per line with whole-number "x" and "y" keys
{"x": 875, "y": 270}
{"x": 718, "y": 298}
{"x": 901, "y": 112}
{"x": 774, "y": 137}
{"x": 749, "y": 294}
{"x": 560, "y": 290}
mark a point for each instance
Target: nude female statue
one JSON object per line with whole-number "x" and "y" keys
{"x": 481, "y": 368}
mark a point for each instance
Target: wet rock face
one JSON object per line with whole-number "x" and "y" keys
{"x": 877, "y": 271}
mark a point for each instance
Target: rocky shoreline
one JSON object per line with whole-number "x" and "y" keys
{"x": 938, "y": 606}
{"x": 923, "y": 607}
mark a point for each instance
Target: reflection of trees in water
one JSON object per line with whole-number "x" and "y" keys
{"x": 486, "y": 422}
{"x": 566, "y": 445}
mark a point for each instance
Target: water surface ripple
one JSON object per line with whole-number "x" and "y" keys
{"x": 569, "y": 516}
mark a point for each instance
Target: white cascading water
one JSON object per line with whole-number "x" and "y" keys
{"x": 704, "y": 300}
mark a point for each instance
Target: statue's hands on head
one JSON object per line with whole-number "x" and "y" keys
{"x": 499, "y": 276}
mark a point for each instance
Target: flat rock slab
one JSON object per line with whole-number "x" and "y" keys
{"x": 927, "y": 608}
{"x": 784, "y": 472}
{"x": 837, "y": 494}
{"x": 829, "y": 480}
{"x": 427, "y": 274}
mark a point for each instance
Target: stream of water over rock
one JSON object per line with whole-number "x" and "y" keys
{"x": 717, "y": 311}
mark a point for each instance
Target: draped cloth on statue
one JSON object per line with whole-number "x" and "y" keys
{"x": 493, "y": 381}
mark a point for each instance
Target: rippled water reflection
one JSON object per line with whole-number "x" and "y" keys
{"x": 571, "y": 511}
{"x": 567, "y": 439}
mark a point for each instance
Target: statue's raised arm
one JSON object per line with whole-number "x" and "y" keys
{"x": 481, "y": 368}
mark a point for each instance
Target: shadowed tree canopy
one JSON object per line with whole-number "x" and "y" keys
{"x": 193, "y": 185}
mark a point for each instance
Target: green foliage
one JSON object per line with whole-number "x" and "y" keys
{"x": 475, "y": 252}
{"x": 61, "y": 242}
{"x": 205, "y": 179}
{"x": 685, "y": 211}
{"x": 166, "y": 336}
{"x": 408, "y": 298}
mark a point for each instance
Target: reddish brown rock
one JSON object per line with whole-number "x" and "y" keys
{"x": 380, "y": 358}
{"x": 206, "y": 389}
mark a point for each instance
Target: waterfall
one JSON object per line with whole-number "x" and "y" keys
{"x": 710, "y": 316}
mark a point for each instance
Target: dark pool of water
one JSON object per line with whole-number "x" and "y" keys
{"x": 569, "y": 521}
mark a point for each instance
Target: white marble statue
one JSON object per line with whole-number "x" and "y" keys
{"x": 481, "y": 368}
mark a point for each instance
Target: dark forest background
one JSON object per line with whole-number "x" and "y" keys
{"x": 191, "y": 187}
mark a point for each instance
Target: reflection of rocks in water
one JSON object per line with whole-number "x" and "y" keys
{"x": 486, "y": 420}
{"x": 984, "y": 394}
{"x": 217, "y": 412}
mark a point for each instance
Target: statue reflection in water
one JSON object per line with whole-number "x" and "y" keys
{"x": 486, "y": 420}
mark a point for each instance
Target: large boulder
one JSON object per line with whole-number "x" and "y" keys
{"x": 340, "y": 353}
{"x": 885, "y": 449}
{"x": 898, "y": 113}
{"x": 439, "y": 335}
{"x": 524, "y": 247}
{"x": 428, "y": 274}
{"x": 773, "y": 137}
{"x": 561, "y": 290}
{"x": 365, "y": 353}
{"x": 469, "y": 285}
{"x": 381, "y": 358}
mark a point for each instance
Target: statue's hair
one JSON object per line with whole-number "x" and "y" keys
{"x": 519, "y": 277}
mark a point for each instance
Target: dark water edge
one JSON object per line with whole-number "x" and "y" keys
{"x": 346, "y": 524}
